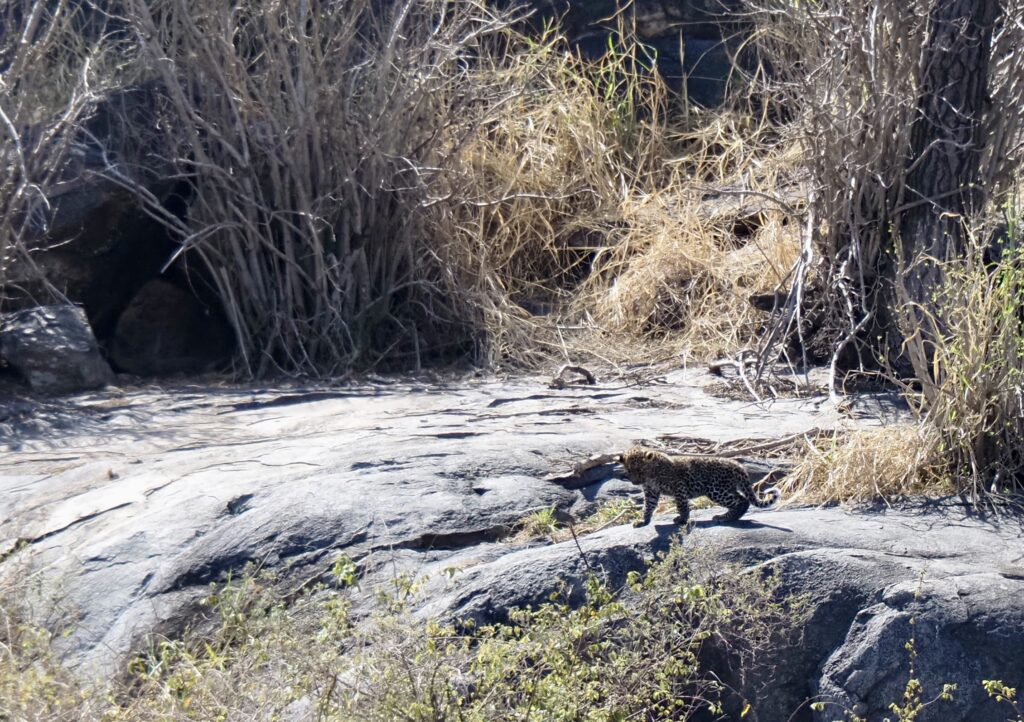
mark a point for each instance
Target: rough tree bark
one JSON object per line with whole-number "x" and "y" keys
{"x": 946, "y": 143}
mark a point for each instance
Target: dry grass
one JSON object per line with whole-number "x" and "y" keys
{"x": 970, "y": 374}
{"x": 887, "y": 464}
{"x": 966, "y": 393}
{"x": 535, "y": 193}
{"x": 310, "y": 138}
{"x": 683, "y": 274}
{"x": 687, "y": 254}
{"x": 419, "y": 184}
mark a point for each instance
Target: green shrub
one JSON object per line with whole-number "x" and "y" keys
{"x": 971, "y": 371}
{"x": 263, "y": 648}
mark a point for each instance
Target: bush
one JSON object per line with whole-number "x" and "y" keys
{"x": 402, "y": 183}
{"x": 968, "y": 357}
{"x": 309, "y": 135}
{"x": 55, "y": 62}
{"x": 264, "y": 648}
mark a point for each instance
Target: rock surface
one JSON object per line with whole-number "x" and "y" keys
{"x": 133, "y": 502}
{"x": 54, "y": 349}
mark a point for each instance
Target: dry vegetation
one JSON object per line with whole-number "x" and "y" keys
{"x": 417, "y": 183}
{"x": 51, "y": 74}
{"x": 853, "y": 76}
{"x": 892, "y": 463}
{"x": 936, "y": 311}
{"x": 971, "y": 395}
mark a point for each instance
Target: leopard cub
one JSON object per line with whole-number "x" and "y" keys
{"x": 686, "y": 477}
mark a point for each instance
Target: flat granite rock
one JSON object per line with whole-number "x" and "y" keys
{"x": 135, "y": 500}
{"x": 130, "y": 502}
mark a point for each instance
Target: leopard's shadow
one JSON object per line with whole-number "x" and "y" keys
{"x": 740, "y": 524}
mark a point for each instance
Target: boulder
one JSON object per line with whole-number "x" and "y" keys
{"x": 147, "y": 496}
{"x": 694, "y": 39}
{"x": 874, "y": 580}
{"x": 182, "y": 486}
{"x": 166, "y": 330}
{"x": 154, "y": 495}
{"x": 54, "y": 349}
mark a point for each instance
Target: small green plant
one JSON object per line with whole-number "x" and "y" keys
{"x": 615, "y": 655}
{"x": 345, "y": 572}
{"x": 610, "y": 513}
{"x": 540, "y": 523}
{"x": 1002, "y": 693}
{"x": 913, "y": 702}
{"x": 615, "y": 511}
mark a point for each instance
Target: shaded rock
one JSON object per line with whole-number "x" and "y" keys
{"x": 165, "y": 330}
{"x": 694, "y": 39}
{"x": 96, "y": 244}
{"x": 964, "y": 629}
{"x": 769, "y": 302}
{"x": 54, "y": 349}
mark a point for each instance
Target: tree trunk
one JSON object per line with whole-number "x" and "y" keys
{"x": 946, "y": 143}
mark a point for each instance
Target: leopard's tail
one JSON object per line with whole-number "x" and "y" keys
{"x": 766, "y": 498}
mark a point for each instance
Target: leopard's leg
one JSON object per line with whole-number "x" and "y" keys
{"x": 650, "y": 502}
{"x": 683, "y": 507}
{"x": 736, "y": 507}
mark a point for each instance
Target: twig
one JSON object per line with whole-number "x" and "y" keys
{"x": 583, "y": 556}
{"x": 754, "y": 448}
{"x": 559, "y": 382}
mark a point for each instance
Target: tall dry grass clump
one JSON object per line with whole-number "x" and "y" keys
{"x": 581, "y": 202}
{"x": 538, "y": 191}
{"x": 971, "y": 371}
{"x": 680, "y": 273}
{"x": 688, "y": 253}
{"x": 890, "y": 463}
{"x": 967, "y": 394}
{"x": 309, "y": 133}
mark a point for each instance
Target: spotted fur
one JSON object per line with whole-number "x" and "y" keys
{"x": 686, "y": 477}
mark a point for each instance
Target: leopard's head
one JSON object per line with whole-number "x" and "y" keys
{"x": 635, "y": 461}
